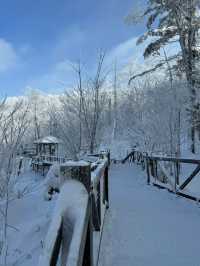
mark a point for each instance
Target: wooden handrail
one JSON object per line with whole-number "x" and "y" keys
{"x": 68, "y": 227}
{"x": 154, "y": 168}
{"x": 49, "y": 158}
{"x": 173, "y": 159}
{"x": 160, "y": 158}
{"x": 77, "y": 213}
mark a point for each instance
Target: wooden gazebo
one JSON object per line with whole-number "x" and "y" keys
{"x": 48, "y": 146}
{"x": 48, "y": 151}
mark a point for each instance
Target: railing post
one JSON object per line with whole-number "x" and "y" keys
{"x": 106, "y": 155}
{"x": 88, "y": 252}
{"x": 177, "y": 173}
{"x": 156, "y": 169}
{"x": 106, "y": 188}
{"x": 132, "y": 157}
{"x": 148, "y": 170}
{"x": 81, "y": 171}
{"x": 95, "y": 213}
{"x": 109, "y": 160}
{"x": 99, "y": 202}
{"x": 151, "y": 162}
{"x": 56, "y": 250}
{"x": 142, "y": 162}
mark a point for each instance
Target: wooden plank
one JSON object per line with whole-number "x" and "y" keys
{"x": 173, "y": 159}
{"x": 87, "y": 258}
{"x": 148, "y": 172}
{"x": 78, "y": 171}
{"x": 95, "y": 214}
{"x": 189, "y": 179}
{"x": 127, "y": 157}
{"x": 99, "y": 202}
{"x": 151, "y": 162}
{"x": 184, "y": 195}
{"x": 106, "y": 188}
{"x": 177, "y": 173}
{"x": 56, "y": 248}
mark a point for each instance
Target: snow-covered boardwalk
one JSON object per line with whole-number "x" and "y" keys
{"x": 148, "y": 226}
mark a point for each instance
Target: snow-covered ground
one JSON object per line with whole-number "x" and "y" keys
{"x": 143, "y": 226}
{"x": 118, "y": 148}
{"x": 148, "y": 226}
{"x": 30, "y": 216}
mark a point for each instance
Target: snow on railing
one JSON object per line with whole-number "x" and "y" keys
{"x": 98, "y": 171}
{"x": 78, "y": 212}
{"x": 68, "y": 227}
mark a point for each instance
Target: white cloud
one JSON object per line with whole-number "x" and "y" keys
{"x": 59, "y": 77}
{"x": 129, "y": 57}
{"x": 8, "y": 56}
{"x": 126, "y": 52}
{"x": 130, "y": 60}
{"x": 129, "y": 52}
{"x": 122, "y": 51}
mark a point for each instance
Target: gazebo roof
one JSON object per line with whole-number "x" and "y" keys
{"x": 48, "y": 140}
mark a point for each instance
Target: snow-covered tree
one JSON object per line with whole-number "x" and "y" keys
{"x": 170, "y": 21}
{"x": 13, "y": 125}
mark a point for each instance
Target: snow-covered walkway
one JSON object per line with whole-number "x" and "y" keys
{"x": 147, "y": 226}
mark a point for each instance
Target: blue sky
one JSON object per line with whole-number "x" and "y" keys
{"x": 38, "y": 39}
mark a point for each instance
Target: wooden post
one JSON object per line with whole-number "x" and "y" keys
{"x": 156, "y": 169}
{"x": 109, "y": 160}
{"x": 106, "y": 189}
{"x": 148, "y": 172}
{"x": 106, "y": 155}
{"x": 99, "y": 203}
{"x": 175, "y": 177}
{"x": 95, "y": 213}
{"x": 88, "y": 252}
{"x": 142, "y": 162}
{"x": 151, "y": 162}
{"x": 177, "y": 173}
{"x": 132, "y": 157}
{"x": 56, "y": 249}
{"x": 138, "y": 157}
{"x": 81, "y": 171}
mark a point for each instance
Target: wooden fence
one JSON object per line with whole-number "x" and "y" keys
{"x": 164, "y": 172}
{"x": 78, "y": 213}
{"x": 44, "y": 162}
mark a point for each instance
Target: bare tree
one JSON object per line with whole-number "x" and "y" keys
{"x": 13, "y": 125}
{"x": 90, "y": 99}
{"x": 115, "y": 102}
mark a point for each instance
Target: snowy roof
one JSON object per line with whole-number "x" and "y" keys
{"x": 48, "y": 140}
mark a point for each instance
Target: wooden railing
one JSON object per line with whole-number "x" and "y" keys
{"x": 49, "y": 159}
{"x": 44, "y": 162}
{"x": 79, "y": 211}
{"x": 164, "y": 172}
